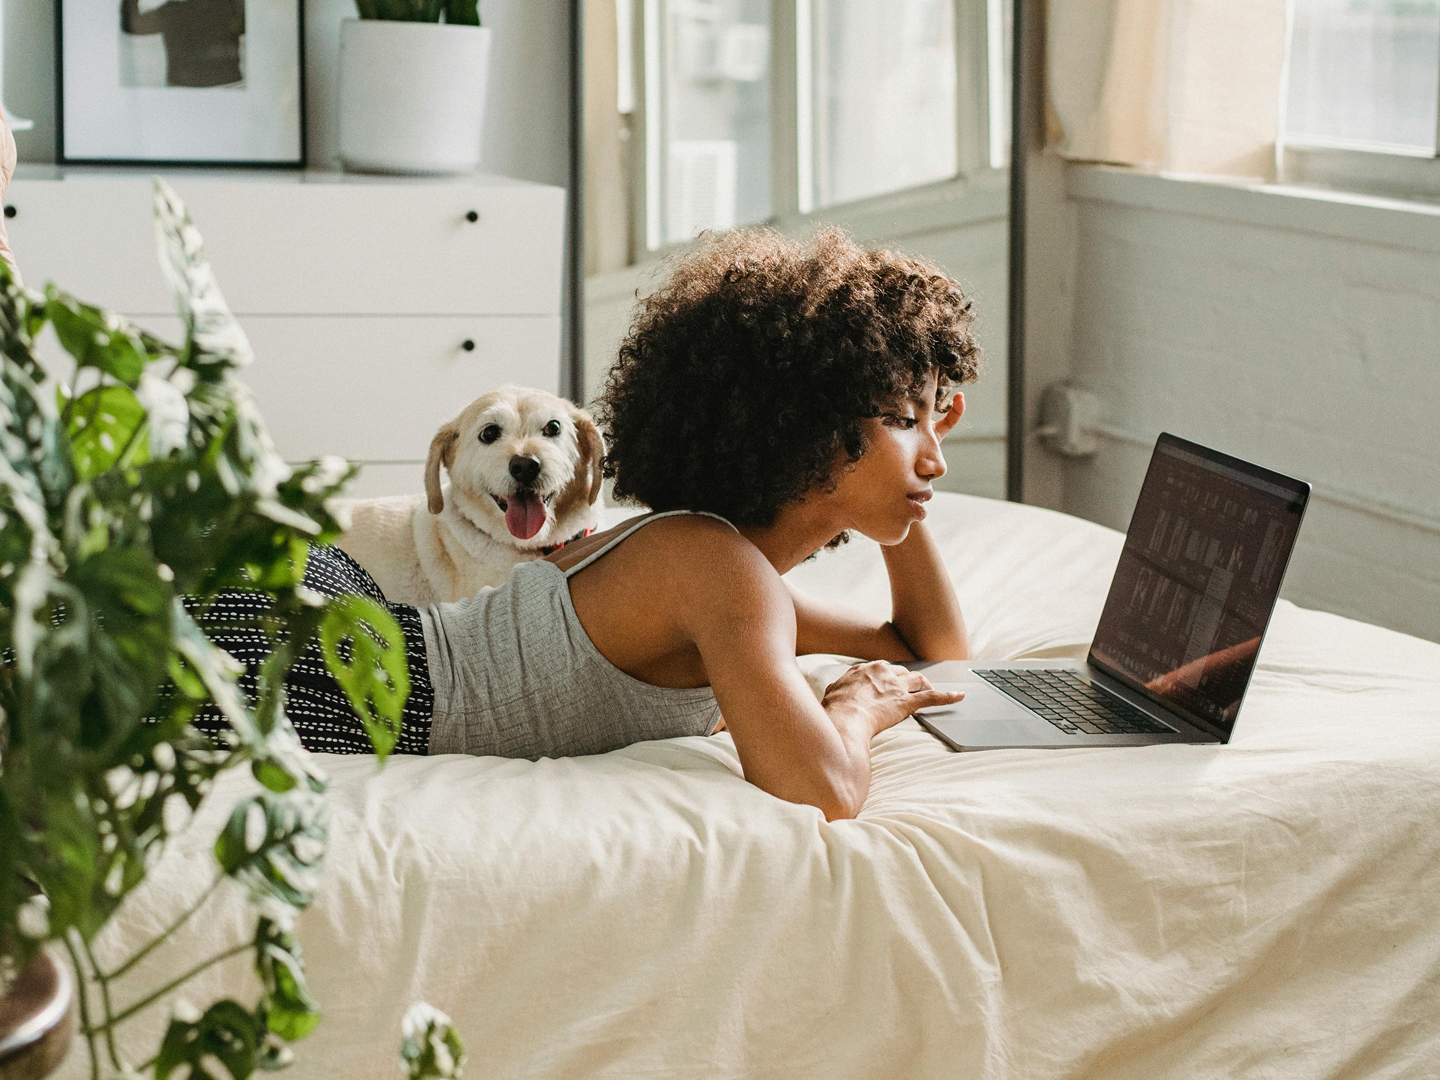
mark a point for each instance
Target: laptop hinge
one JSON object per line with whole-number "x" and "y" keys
{"x": 1116, "y": 688}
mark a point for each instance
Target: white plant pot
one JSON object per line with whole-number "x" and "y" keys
{"x": 412, "y": 95}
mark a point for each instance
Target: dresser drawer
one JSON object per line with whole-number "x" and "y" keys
{"x": 303, "y": 244}
{"x": 379, "y": 388}
{"x": 373, "y": 389}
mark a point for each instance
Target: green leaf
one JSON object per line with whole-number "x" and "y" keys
{"x": 103, "y": 423}
{"x": 15, "y": 888}
{"x": 274, "y": 1055}
{"x": 22, "y": 316}
{"x": 288, "y": 1007}
{"x": 374, "y": 677}
{"x": 64, "y": 855}
{"x": 130, "y": 639}
{"x": 401, "y": 10}
{"x": 214, "y": 338}
{"x": 283, "y": 763}
{"x": 96, "y": 338}
{"x": 462, "y": 12}
{"x": 429, "y": 1044}
{"x": 216, "y": 670}
{"x": 49, "y": 631}
{"x": 274, "y": 845}
{"x": 226, "y": 1032}
{"x": 34, "y": 465}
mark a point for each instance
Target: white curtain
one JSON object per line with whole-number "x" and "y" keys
{"x": 1182, "y": 85}
{"x": 607, "y": 190}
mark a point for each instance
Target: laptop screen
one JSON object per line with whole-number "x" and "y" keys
{"x": 1198, "y": 579}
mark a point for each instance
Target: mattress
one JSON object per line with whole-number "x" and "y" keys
{"x": 1266, "y": 908}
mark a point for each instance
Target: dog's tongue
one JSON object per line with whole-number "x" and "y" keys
{"x": 524, "y": 515}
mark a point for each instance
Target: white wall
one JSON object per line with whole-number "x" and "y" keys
{"x": 526, "y": 128}
{"x": 966, "y": 232}
{"x": 1295, "y": 330}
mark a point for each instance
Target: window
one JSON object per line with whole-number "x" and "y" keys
{"x": 882, "y": 98}
{"x": 712, "y": 114}
{"x": 754, "y": 110}
{"x": 1363, "y": 94}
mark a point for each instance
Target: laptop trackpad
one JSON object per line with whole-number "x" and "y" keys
{"x": 989, "y": 720}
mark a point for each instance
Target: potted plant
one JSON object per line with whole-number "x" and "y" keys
{"x": 412, "y": 88}
{"x": 144, "y": 488}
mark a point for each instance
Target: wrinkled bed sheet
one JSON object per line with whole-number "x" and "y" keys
{"x": 1267, "y": 908}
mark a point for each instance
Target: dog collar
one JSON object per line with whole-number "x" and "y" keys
{"x": 549, "y": 548}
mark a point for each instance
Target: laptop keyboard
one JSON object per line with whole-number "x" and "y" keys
{"x": 1072, "y": 704}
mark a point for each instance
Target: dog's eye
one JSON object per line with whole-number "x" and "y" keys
{"x": 551, "y": 429}
{"x": 489, "y": 433}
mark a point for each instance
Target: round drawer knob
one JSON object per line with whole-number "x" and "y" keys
{"x": 10, "y": 211}
{"x": 472, "y": 216}
{"x": 468, "y": 345}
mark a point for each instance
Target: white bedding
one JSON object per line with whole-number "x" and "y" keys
{"x": 1268, "y": 908}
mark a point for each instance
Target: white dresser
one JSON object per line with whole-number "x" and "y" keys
{"x": 378, "y": 307}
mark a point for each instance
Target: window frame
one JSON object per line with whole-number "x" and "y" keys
{"x": 1389, "y": 173}
{"x": 791, "y": 138}
{"x": 1398, "y": 172}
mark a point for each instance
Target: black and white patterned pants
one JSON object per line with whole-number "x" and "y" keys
{"x": 317, "y": 706}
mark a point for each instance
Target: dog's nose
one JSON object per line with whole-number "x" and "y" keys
{"x": 524, "y": 469}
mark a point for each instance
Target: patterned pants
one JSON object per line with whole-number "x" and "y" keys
{"x": 317, "y": 706}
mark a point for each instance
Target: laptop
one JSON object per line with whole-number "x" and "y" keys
{"x": 1197, "y": 581}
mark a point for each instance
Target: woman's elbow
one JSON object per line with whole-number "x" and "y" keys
{"x": 948, "y": 647}
{"x": 840, "y": 801}
{"x": 835, "y": 800}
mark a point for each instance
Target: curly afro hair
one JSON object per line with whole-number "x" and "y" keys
{"x": 743, "y": 381}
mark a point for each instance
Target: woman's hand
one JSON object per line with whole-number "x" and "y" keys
{"x": 878, "y": 695}
{"x": 924, "y": 609}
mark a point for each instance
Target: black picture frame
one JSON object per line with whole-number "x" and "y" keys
{"x": 299, "y": 161}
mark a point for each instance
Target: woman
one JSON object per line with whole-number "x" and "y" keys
{"x": 769, "y": 398}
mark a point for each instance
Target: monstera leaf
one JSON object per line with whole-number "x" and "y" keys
{"x": 213, "y": 336}
{"x": 289, "y": 1010}
{"x": 274, "y": 846}
{"x": 429, "y": 1046}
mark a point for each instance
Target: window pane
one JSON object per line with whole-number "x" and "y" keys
{"x": 1365, "y": 72}
{"x": 716, "y": 142}
{"x": 883, "y": 97}
{"x": 1000, "y": 19}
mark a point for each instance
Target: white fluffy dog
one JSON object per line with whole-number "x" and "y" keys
{"x": 524, "y": 477}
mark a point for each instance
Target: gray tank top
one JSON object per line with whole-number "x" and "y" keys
{"x": 516, "y": 675}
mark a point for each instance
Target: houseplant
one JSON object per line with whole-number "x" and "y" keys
{"x": 412, "y": 88}
{"x": 150, "y": 479}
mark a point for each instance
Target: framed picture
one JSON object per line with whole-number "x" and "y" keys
{"x": 180, "y": 82}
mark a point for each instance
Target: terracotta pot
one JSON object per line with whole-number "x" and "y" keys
{"x": 36, "y": 1019}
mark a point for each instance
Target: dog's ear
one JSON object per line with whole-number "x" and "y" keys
{"x": 592, "y": 451}
{"x": 442, "y": 448}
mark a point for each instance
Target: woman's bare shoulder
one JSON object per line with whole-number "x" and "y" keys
{"x": 700, "y": 545}
{"x": 680, "y": 548}
{"x": 700, "y": 560}
{"x": 708, "y": 578}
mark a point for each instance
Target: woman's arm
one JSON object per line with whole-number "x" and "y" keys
{"x": 741, "y": 618}
{"x": 923, "y": 607}
{"x": 829, "y": 628}
{"x": 925, "y": 621}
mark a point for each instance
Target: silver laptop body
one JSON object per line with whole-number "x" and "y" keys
{"x": 1182, "y": 626}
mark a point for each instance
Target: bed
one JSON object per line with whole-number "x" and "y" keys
{"x": 1267, "y": 908}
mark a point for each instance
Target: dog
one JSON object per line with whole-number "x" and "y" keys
{"x": 523, "y": 478}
